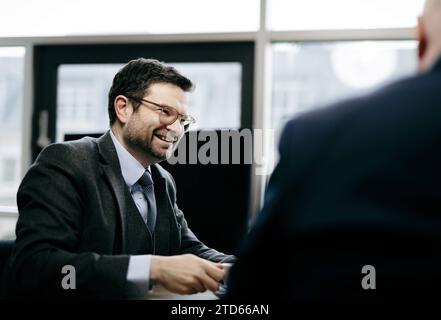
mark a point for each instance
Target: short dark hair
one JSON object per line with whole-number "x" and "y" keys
{"x": 135, "y": 78}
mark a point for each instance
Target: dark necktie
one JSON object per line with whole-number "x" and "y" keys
{"x": 146, "y": 183}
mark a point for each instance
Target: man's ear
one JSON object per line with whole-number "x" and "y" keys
{"x": 122, "y": 109}
{"x": 422, "y": 39}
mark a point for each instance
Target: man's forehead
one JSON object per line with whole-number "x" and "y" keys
{"x": 169, "y": 95}
{"x": 167, "y": 89}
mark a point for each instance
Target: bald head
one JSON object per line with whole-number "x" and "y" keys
{"x": 429, "y": 35}
{"x": 431, "y": 6}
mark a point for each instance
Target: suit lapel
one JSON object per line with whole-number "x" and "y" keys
{"x": 111, "y": 170}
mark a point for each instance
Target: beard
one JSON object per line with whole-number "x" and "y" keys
{"x": 141, "y": 140}
{"x": 146, "y": 146}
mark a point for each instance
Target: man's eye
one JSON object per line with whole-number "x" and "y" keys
{"x": 164, "y": 111}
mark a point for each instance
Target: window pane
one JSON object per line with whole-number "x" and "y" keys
{"x": 307, "y": 75}
{"x": 7, "y": 225}
{"x": 82, "y": 96}
{"x": 11, "y": 94}
{"x": 343, "y": 14}
{"x": 9, "y": 170}
{"x": 215, "y": 102}
{"x": 82, "y": 17}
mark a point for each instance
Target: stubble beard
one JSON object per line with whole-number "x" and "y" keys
{"x": 144, "y": 143}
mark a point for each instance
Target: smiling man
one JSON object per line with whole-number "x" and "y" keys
{"x": 106, "y": 208}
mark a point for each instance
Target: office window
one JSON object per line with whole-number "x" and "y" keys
{"x": 343, "y": 14}
{"x": 215, "y": 103}
{"x": 9, "y": 167}
{"x": 11, "y": 94}
{"x": 84, "y": 17}
{"x": 82, "y": 96}
{"x": 7, "y": 225}
{"x": 310, "y": 75}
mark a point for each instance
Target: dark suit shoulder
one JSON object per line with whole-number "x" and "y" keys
{"x": 69, "y": 152}
{"x": 308, "y": 132}
{"x": 74, "y": 159}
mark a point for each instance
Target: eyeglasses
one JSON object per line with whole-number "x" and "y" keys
{"x": 167, "y": 115}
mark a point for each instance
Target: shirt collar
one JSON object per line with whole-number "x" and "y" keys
{"x": 131, "y": 168}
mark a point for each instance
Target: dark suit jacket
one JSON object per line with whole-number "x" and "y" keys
{"x": 72, "y": 211}
{"x": 358, "y": 183}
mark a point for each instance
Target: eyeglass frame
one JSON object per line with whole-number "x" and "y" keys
{"x": 185, "y": 117}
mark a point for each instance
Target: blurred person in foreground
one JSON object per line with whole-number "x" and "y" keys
{"x": 358, "y": 184}
{"x": 106, "y": 208}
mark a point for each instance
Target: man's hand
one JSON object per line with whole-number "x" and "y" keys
{"x": 186, "y": 274}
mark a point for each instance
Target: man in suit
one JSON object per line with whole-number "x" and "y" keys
{"x": 105, "y": 208}
{"x": 352, "y": 209}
